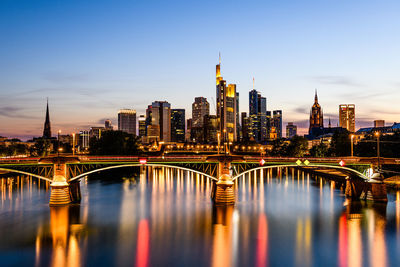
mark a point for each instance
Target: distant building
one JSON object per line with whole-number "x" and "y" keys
{"x": 379, "y": 123}
{"x": 210, "y": 128}
{"x": 291, "y": 130}
{"x": 257, "y": 116}
{"x": 177, "y": 125}
{"x": 200, "y": 108}
{"x": 127, "y": 121}
{"x": 188, "y": 134}
{"x": 227, "y": 109}
{"x": 316, "y": 116}
{"x": 277, "y": 122}
{"x": 245, "y": 122}
{"x": 142, "y": 127}
{"x": 153, "y": 133}
{"x": 108, "y": 126}
{"x": 47, "y": 127}
{"x": 161, "y": 116}
{"x": 96, "y": 132}
{"x": 347, "y": 117}
{"x": 83, "y": 140}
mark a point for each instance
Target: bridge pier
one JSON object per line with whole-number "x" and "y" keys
{"x": 372, "y": 190}
{"x": 223, "y": 193}
{"x": 59, "y": 187}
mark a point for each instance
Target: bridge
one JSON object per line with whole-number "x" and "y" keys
{"x": 64, "y": 172}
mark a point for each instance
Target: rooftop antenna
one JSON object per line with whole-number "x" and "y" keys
{"x": 253, "y": 82}
{"x": 219, "y": 58}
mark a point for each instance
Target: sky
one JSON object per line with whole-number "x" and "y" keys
{"x": 92, "y": 58}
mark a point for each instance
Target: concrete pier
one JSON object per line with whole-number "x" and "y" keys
{"x": 372, "y": 190}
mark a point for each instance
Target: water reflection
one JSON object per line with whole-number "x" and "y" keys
{"x": 164, "y": 217}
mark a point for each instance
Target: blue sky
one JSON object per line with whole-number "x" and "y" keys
{"x": 92, "y": 58}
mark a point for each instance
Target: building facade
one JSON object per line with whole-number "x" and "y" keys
{"x": 178, "y": 125}
{"x": 257, "y": 116}
{"x": 127, "y": 121}
{"x": 160, "y": 114}
{"x": 347, "y": 117}
{"x": 291, "y": 130}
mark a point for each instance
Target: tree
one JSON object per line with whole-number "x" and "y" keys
{"x": 41, "y": 148}
{"x": 319, "y": 151}
{"x": 298, "y": 146}
{"x": 114, "y": 143}
{"x": 340, "y": 144}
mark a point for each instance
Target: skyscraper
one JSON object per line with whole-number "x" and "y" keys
{"x": 291, "y": 130}
{"x": 47, "y": 127}
{"x": 316, "y": 115}
{"x": 107, "y": 125}
{"x": 210, "y": 128}
{"x": 277, "y": 122}
{"x": 200, "y": 108}
{"x": 347, "y": 118}
{"x": 227, "y": 109}
{"x": 142, "y": 127}
{"x": 177, "y": 125}
{"x": 161, "y": 115}
{"x": 127, "y": 121}
{"x": 257, "y": 115}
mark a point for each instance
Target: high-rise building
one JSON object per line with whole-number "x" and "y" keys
{"x": 127, "y": 121}
{"x": 47, "y": 127}
{"x": 160, "y": 113}
{"x": 379, "y": 123}
{"x": 210, "y": 128}
{"x": 188, "y": 134}
{"x": 200, "y": 108}
{"x": 245, "y": 123}
{"x": 316, "y": 115}
{"x": 177, "y": 125}
{"x": 108, "y": 126}
{"x": 291, "y": 130}
{"x": 277, "y": 122}
{"x": 257, "y": 115}
{"x": 347, "y": 118}
{"x": 142, "y": 126}
{"x": 227, "y": 109}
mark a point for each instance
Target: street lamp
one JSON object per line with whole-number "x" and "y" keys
{"x": 377, "y": 134}
{"x": 58, "y": 146}
{"x": 352, "y": 150}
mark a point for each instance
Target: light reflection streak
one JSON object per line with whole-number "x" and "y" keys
{"x": 143, "y": 244}
{"x": 262, "y": 241}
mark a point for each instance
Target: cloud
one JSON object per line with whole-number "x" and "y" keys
{"x": 14, "y": 112}
{"x": 336, "y": 80}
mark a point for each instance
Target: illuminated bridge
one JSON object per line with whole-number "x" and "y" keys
{"x": 64, "y": 172}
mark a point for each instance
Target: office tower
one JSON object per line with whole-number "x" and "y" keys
{"x": 277, "y": 120}
{"x": 257, "y": 116}
{"x": 238, "y": 126}
{"x": 153, "y": 133}
{"x": 108, "y": 126}
{"x": 142, "y": 126}
{"x": 210, "y": 128}
{"x": 127, "y": 121}
{"x": 47, "y": 128}
{"x": 379, "y": 123}
{"x": 226, "y": 107}
{"x": 291, "y": 130}
{"x": 245, "y": 126}
{"x": 347, "y": 117}
{"x": 200, "y": 108}
{"x": 188, "y": 134}
{"x": 316, "y": 115}
{"x": 177, "y": 125}
{"x": 161, "y": 116}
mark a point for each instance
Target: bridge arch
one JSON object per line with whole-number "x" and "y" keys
{"x": 27, "y": 173}
{"x": 138, "y": 165}
{"x": 359, "y": 174}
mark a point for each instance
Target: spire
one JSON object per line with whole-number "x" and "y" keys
{"x": 253, "y": 82}
{"x": 329, "y": 123}
{"x": 219, "y": 58}
{"x": 316, "y": 96}
{"x": 47, "y": 128}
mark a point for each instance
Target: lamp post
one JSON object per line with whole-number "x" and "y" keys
{"x": 225, "y": 144}
{"x": 377, "y": 134}
{"x": 352, "y": 150}
{"x": 58, "y": 145}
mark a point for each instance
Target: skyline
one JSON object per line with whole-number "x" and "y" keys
{"x": 128, "y": 55}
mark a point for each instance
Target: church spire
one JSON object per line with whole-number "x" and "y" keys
{"x": 47, "y": 128}
{"x": 316, "y": 96}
